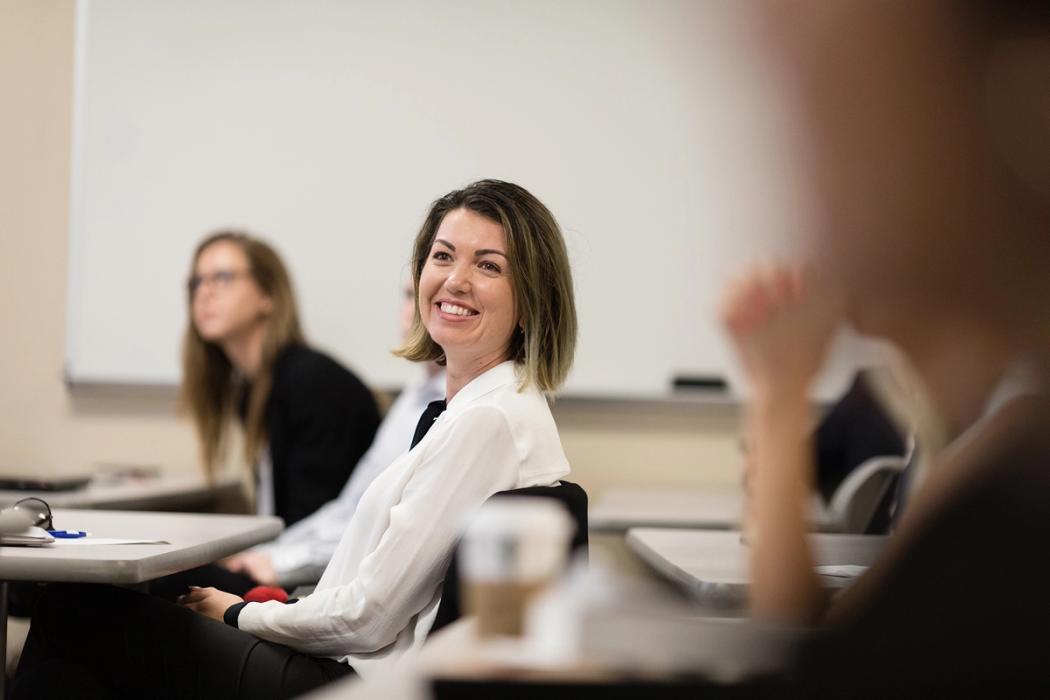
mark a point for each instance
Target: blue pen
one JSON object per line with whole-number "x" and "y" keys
{"x": 67, "y": 534}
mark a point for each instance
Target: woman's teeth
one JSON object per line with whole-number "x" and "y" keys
{"x": 457, "y": 310}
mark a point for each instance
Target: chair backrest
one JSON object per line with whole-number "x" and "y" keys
{"x": 857, "y": 499}
{"x": 571, "y": 495}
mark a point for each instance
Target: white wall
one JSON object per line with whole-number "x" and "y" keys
{"x": 649, "y": 128}
{"x": 44, "y": 429}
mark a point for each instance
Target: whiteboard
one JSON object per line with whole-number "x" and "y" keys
{"x": 650, "y": 128}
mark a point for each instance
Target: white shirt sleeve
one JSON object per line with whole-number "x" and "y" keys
{"x": 400, "y": 576}
{"x": 300, "y": 554}
{"x": 302, "y": 551}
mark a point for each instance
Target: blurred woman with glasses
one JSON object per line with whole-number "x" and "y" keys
{"x": 306, "y": 419}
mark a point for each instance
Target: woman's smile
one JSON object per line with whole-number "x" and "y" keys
{"x": 454, "y": 310}
{"x": 465, "y": 293}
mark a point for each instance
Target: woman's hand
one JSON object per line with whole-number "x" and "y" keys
{"x": 210, "y": 602}
{"x": 781, "y": 322}
{"x": 257, "y": 566}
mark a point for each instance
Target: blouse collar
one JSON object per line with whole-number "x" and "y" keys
{"x": 491, "y": 379}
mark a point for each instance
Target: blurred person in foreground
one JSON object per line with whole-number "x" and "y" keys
{"x": 929, "y": 126}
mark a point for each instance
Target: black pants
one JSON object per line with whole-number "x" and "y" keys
{"x": 90, "y": 641}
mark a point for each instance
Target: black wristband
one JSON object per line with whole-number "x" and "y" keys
{"x": 232, "y": 613}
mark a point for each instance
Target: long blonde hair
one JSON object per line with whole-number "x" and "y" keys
{"x": 210, "y": 386}
{"x": 544, "y": 345}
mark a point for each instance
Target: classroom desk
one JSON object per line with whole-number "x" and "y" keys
{"x": 713, "y": 567}
{"x": 619, "y": 510}
{"x": 195, "y": 539}
{"x": 456, "y": 664}
{"x": 162, "y": 492}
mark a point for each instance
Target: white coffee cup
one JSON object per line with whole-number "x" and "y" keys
{"x": 513, "y": 548}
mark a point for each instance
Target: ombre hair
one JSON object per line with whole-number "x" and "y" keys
{"x": 544, "y": 344}
{"x": 210, "y": 385}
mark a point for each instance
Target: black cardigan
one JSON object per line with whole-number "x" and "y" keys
{"x": 853, "y": 431}
{"x": 320, "y": 419}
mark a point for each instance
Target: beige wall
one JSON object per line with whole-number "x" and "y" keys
{"x": 44, "y": 429}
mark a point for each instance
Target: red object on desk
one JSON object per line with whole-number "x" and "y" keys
{"x": 261, "y": 594}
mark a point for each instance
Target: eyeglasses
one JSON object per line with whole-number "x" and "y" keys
{"x": 221, "y": 279}
{"x": 39, "y": 510}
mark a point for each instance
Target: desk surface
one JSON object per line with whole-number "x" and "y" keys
{"x": 620, "y": 510}
{"x": 166, "y": 491}
{"x": 195, "y": 539}
{"x": 694, "y": 509}
{"x": 714, "y": 567}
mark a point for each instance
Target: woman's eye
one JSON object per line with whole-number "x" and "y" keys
{"x": 490, "y": 266}
{"x": 440, "y": 255}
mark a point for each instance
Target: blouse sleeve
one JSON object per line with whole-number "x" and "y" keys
{"x": 400, "y": 576}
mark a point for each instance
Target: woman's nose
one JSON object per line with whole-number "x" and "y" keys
{"x": 458, "y": 281}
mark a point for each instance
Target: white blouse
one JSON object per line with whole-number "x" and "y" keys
{"x": 378, "y": 597}
{"x": 303, "y": 550}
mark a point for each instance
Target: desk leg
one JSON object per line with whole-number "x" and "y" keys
{"x": 3, "y": 638}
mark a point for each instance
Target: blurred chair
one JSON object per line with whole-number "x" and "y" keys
{"x": 856, "y": 502}
{"x": 571, "y": 495}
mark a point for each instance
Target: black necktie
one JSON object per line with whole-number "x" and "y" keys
{"x": 433, "y": 410}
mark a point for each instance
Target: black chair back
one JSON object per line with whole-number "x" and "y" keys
{"x": 571, "y": 495}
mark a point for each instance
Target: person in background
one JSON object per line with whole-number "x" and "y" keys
{"x": 306, "y": 419}
{"x": 929, "y": 131}
{"x": 856, "y": 428}
{"x": 299, "y": 555}
{"x": 495, "y": 305}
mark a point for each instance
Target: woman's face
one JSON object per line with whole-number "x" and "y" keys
{"x": 892, "y": 143}
{"x": 226, "y": 303}
{"x": 466, "y": 301}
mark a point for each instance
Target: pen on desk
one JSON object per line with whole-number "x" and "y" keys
{"x": 68, "y": 534}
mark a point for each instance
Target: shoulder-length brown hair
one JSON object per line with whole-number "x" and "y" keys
{"x": 540, "y": 278}
{"x": 210, "y": 386}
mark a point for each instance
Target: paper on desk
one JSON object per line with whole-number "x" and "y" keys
{"x": 81, "y": 541}
{"x": 841, "y": 570}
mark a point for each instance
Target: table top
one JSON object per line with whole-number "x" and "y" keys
{"x": 622, "y": 509}
{"x": 718, "y": 508}
{"x": 133, "y": 493}
{"x": 714, "y": 567}
{"x": 195, "y": 539}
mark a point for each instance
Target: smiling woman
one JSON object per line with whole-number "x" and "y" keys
{"x": 494, "y": 303}
{"x": 466, "y": 301}
{"x": 489, "y": 239}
